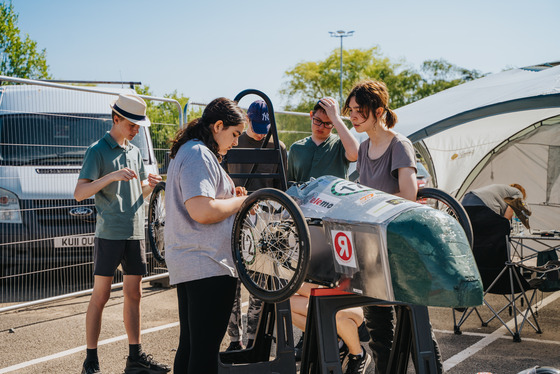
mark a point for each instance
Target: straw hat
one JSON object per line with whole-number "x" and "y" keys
{"x": 131, "y": 107}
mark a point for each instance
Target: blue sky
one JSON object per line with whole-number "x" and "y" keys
{"x": 205, "y": 49}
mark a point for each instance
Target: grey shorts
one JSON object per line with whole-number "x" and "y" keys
{"x": 108, "y": 254}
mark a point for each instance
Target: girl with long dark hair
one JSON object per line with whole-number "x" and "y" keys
{"x": 201, "y": 201}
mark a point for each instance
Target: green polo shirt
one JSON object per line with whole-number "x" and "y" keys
{"x": 120, "y": 211}
{"x": 307, "y": 159}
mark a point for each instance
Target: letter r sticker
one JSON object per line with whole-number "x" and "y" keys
{"x": 343, "y": 248}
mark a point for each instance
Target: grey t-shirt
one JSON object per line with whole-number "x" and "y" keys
{"x": 492, "y": 196}
{"x": 383, "y": 172}
{"x": 194, "y": 250}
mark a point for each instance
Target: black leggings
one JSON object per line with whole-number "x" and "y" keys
{"x": 204, "y": 310}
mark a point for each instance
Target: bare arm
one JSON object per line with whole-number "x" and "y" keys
{"x": 348, "y": 140}
{"x": 206, "y": 210}
{"x": 408, "y": 188}
{"x": 508, "y": 213}
{"x": 149, "y": 184}
{"x": 87, "y": 188}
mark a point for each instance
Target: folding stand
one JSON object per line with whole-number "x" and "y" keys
{"x": 320, "y": 348}
{"x": 256, "y": 359}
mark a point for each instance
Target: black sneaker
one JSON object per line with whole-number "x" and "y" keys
{"x": 90, "y": 367}
{"x": 145, "y": 365}
{"x": 299, "y": 348}
{"x": 343, "y": 355}
{"x": 357, "y": 364}
{"x": 234, "y": 346}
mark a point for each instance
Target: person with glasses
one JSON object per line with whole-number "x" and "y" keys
{"x": 323, "y": 153}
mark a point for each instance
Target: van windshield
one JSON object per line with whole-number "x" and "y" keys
{"x": 54, "y": 139}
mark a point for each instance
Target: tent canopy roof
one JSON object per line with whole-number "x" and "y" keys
{"x": 533, "y": 87}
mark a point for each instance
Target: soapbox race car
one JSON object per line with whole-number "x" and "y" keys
{"x": 365, "y": 246}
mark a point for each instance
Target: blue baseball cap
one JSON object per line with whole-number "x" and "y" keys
{"x": 258, "y": 114}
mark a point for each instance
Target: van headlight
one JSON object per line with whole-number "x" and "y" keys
{"x": 10, "y": 211}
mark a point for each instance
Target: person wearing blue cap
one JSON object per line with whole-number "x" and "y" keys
{"x": 323, "y": 153}
{"x": 253, "y": 137}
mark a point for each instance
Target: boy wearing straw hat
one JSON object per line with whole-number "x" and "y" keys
{"x": 113, "y": 171}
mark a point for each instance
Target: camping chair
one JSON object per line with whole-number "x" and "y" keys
{"x": 501, "y": 275}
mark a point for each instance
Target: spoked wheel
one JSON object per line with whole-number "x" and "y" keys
{"x": 438, "y": 199}
{"x": 156, "y": 222}
{"x": 271, "y": 245}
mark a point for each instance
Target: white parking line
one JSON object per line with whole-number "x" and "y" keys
{"x": 80, "y": 349}
{"x": 447, "y": 365}
{"x": 83, "y": 347}
{"x": 507, "y": 336}
{"x": 469, "y": 351}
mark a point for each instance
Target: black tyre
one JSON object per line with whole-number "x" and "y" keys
{"x": 156, "y": 222}
{"x": 441, "y": 200}
{"x": 271, "y": 245}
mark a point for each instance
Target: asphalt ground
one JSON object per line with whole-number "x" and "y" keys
{"x": 50, "y": 338}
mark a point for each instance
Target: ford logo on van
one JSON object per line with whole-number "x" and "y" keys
{"x": 81, "y": 212}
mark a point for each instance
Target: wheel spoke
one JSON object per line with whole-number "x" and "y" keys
{"x": 268, "y": 244}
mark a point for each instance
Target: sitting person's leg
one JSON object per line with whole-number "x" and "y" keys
{"x": 347, "y": 322}
{"x": 299, "y": 303}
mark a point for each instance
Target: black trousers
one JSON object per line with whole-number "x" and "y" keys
{"x": 204, "y": 310}
{"x": 380, "y": 324}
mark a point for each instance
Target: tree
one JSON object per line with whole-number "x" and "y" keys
{"x": 164, "y": 117}
{"x": 309, "y": 81}
{"x": 19, "y": 58}
{"x": 439, "y": 75}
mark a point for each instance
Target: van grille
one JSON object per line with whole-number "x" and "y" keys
{"x": 57, "y": 171}
{"x": 51, "y": 218}
{"x": 58, "y": 211}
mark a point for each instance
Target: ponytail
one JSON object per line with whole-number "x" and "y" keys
{"x": 390, "y": 118}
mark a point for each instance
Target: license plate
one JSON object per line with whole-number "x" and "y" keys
{"x": 74, "y": 241}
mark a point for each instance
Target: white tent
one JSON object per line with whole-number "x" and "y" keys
{"x": 503, "y": 128}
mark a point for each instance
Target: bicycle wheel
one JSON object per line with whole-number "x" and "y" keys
{"x": 441, "y": 200}
{"x": 271, "y": 245}
{"x": 156, "y": 222}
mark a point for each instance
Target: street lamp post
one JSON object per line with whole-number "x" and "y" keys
{"x": 341, "y": 34}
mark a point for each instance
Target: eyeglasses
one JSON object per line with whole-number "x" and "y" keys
{"x": 317, "y": 122}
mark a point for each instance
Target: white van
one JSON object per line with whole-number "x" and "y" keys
{"x": 44, "y": 133}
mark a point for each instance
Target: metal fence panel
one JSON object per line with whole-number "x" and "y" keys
{"x": 46, "y": 237}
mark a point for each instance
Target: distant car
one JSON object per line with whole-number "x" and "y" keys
{"x": 423, "y": 178}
